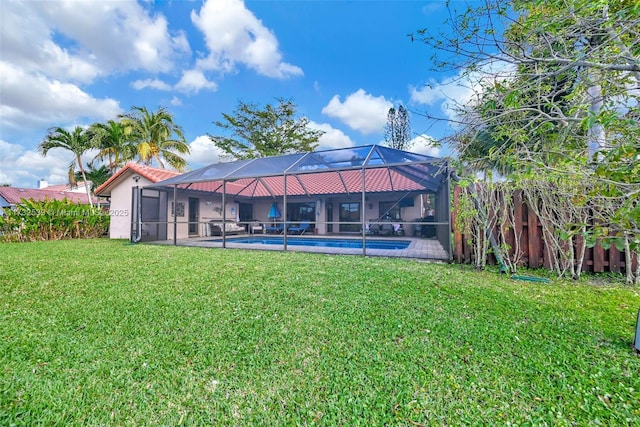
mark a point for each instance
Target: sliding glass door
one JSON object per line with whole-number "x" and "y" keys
{"x": 350, "y": 212}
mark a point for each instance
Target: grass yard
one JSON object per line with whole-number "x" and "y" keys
{"x": 99, "y": 332}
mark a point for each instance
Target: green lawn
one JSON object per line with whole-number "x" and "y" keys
{"x": 100, "y": 332}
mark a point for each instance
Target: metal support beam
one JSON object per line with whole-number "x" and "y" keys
{"x": 175, "y": 215}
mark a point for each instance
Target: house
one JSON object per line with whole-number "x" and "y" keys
{"x": 12, "y": 196}
{"x": 354, "y": 191}
{"x": 119, "y": 190}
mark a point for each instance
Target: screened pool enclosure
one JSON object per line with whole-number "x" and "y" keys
{"x": 369, "y": 200}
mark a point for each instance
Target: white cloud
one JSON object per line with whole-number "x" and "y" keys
{"x": 448, "y": 94}
{"x": 360, "y": 111}
{"x": 456, "y": 92}
{"x": 101, "y": 37}
{"x": 150, "y": 83}
{"x": 425, "y": 144}
{"x": 175, "y": 101}
{"x": 33, "y": 99}
{"x": 234, "y": 35}
{"x": 50, "y": 48}
{"x": 203, "y": 152}
{"x": 193, "y": 81}
{"x": 26, "y": 42}
{"x": 332, "y": 137}
{"x": 9, "y": 154}
{"x": 24, "y": 168}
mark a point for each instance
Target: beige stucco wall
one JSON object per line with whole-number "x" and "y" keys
{"x": 210, "y": 209}
{"x": 120, "y": 208}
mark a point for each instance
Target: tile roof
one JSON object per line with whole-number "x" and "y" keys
{"x": 376, "y": 180}
{"x": 148, "y": 172}
{"x": 14, "y": 195}
{"x": 67, "y": 187}
{"x": 321, "y": 172}
{"x": 407, "y": 172}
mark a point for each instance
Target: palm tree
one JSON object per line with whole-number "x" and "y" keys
{"x": 76, "y": 141}
{"x": 156, "y": 136}
{"x": 97, "y": 175}
{"x": 111, "y": 139}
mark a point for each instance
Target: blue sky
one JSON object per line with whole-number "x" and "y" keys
{"x": 344, "y": 64}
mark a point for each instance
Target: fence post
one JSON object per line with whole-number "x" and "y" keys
{"x": 614, "y": 259}
{"x": 457, "y": 234}
{"x": 598, "y": 258}
{"x": 534, "y": 238}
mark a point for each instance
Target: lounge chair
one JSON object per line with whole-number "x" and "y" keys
{"x": 275, "y": 229}
{"x": 300, "y": 229}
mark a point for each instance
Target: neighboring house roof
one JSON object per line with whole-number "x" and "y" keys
{"x": 78, "y": 188}
{"x": 130, "y": 169}
{"x": 14, "y": 195}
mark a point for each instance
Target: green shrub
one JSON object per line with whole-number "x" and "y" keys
{"x": 52, "y": 220}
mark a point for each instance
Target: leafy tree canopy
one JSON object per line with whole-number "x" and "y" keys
{"x": 155, "y": 136}
{"x": 98, "y": 175}
{"x": 76, "y": 141}
{"x": 558, "y": 101}
{"x": 263, "y": 132}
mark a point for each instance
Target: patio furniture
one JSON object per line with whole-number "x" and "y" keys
{"x": 386, "y": 229}
{"x": 398, "y": 230}
{"x": 277, "y": 228}
{"x": 372, "y": 229}
{"x": 230, "y": 227}
{"x": 255, "y": 227}
{"x": 299, "y": 229}
{"x": 429, "y": 230}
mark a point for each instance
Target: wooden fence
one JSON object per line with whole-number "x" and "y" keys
{"x": 535, "y": 253}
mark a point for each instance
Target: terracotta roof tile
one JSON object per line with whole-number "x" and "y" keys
{"x": 14, "y": 195}
{"x": 377, "y": 180}
{"x": 150, "y": 173}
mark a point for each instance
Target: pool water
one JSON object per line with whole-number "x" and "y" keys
{"x": 324, "y": 242}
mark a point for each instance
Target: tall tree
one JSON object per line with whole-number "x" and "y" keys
{"x": 263, "y": 132}
{"x": 156, "y": 137}
{"x": 546, "y": 66}
{"x": 397, "y": 131}
{"x": 390, "y": 127}
{"x": 77, "y": 141}
{"x": 97, "y": 175}
{"x": 112, "y": 142}
{"x": 558, "y": 101}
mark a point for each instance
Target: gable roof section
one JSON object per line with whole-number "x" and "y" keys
{"x": 130, "y": 169}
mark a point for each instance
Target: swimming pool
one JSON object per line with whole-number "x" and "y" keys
{"x": 322, "y": 242}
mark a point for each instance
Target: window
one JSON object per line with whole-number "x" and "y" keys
{"x": 349, "y": 212}
{"x": 390, "y": 209}
{"x": 301, "y": 212}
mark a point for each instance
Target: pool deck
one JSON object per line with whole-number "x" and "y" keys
{"x": 423, "y": 248}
